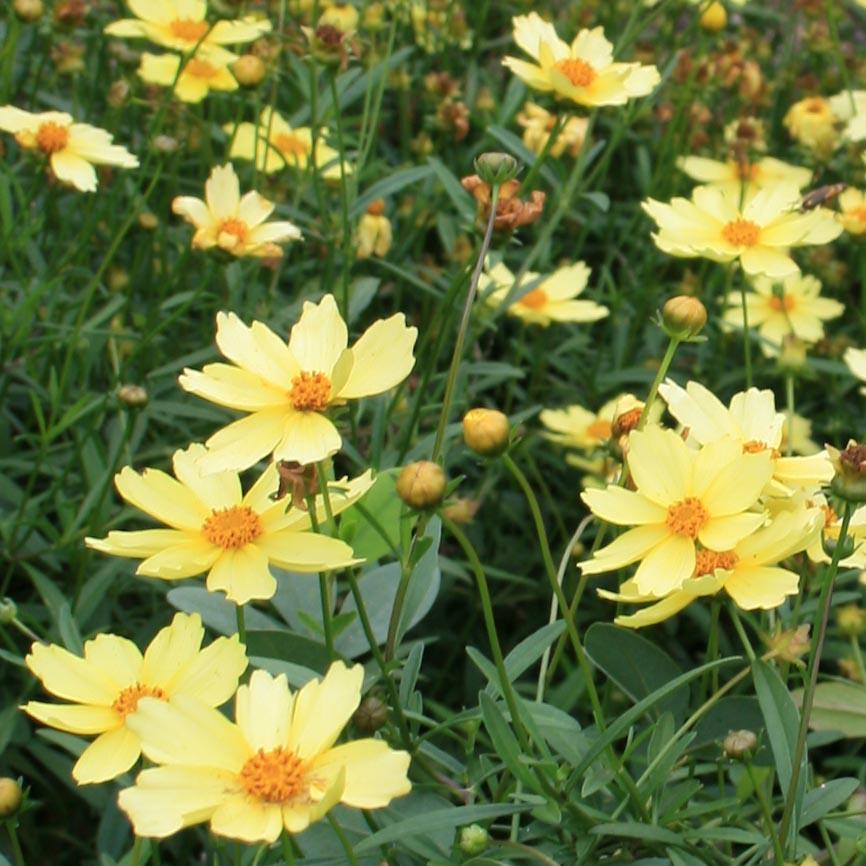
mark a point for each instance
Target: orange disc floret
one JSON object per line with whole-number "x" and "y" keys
{"x": 741, "y": 233}
{"x": 232, "y": 528}
{"x": 311, "y": 392}
{"x": 577, "y": 71}
{"x": 687, "y": 517}
{"x": 277, "y": 776}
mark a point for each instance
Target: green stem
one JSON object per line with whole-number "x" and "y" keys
{"x": 288, "y": 850}
{"x": 558, "y": 126}
{"x": 747, "y": 337}
{"x": 819, "y": 631}
{"x": 858, "y": 657}
{"x": 457, "y": 357}
{"x": 662, "y": 371}
{"x": 744, "y": 638}
{"x": 17, "y": 853}
{"x": 242, "y": 626}
{"x": 347, "y": 847}
{"x": 324, "y": 586}
{"x": 344, "y": 201}
{"x": 400, "y": 595}
{"x": 765, "y": 811}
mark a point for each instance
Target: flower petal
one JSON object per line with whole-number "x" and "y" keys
{"x": 306, "y": 551}
{"x": 666, "y": 567}
{"x": 216, "y": 491}
{"x": 375, "y": 773}
{"x": 244, "y": 442}
{"x": 74, "y": 719}
{"x": 263, "y": 710}
{"x": 162, "y": 497}
{"x": 107, "y": 757}
{"x": 319, "y": 337}
{"x": 70, "y": 677}
{"x": 243, "y": 575}
{"x": 307, "y": 437}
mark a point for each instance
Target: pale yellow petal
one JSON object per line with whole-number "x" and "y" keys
{"x": 623, "y": 507}
{"x": 666, "y": 567}
{"x": 256, "y": 348}
{"x": 307, "y": 437}
{"x": 107, "y": 757}
{"x": 192, "y": 556}
{"x": 137, "y": 545}
{"x": 116, "y": 657}
{"x": 70, "y": 677}
{"x": 162, "y": 497}
{"x": 233, "y": 387}
{"x": 243, "y": 575}
{"x": 172, "y": 649}
{"x": 263, "y": 710}
{"x": 250, "y": 820}
{"x": 658, "y": 612}
{"x": 244, "y": 442}
{"x": 628, "y": 548}
{"x": 374, "y": 773}
{"x": 212, "y": 675}
{"x": 216, "y": 491}
{"x": 661, "y": 465}
{"x": 724, "y": 533}
{"x": 382, "y": 358}
{"x": 319, "y": 337}
{"x": 306, "y": 551}
{"x": 74, "y": 718}
{"x": 761, "y": 587}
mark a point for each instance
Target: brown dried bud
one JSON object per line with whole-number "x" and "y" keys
{"x": 511, "y": 211}
{"x": 132, "y": 395}
{"x": 371, "y": 715}
{"x": 740, "y": 744}
{"x": 298, "y": 480}
{"x": 849, "y": 482}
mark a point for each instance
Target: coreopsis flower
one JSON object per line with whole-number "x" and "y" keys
{"x": 288, "y": 388}
{"x": 275, "y": 768}
{"x": 182, "y": 26}
{"x": 512, "y": 212}
{"x": 849, "y": 106}
{"x": 374, "y": 236}
{"x": 682, "y": 497}
{"x": 215, "y": 528}
{"x": 742, "y": 177}
{"x": 583, "y": 72}
{"x": 852, "y": 211}
{"x": 712, "y": 225}
{"x": 72, "y": 149}
{"x": 750, "y": 419}
{"x": 274, "y": 145}
{"x": 855, "y": 360}
{"x": 777, "y": 309}
{"x": 798, "y": 430}
{"x": 537, "y": 125}
{"x": 551, "y": 298}
{"x": 231, "y": 222}
{"x": 578, "y": 427}
{"x": 197, "y": 78}
{"x": 105, "y": 686}
{"x": 812, "y": 122}
{"x": 749, "y": 573}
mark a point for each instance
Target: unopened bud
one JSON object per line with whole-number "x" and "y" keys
{"x": 29, "y": 10}
{"x": 683, "y": 317}
{"x": 148, "y": 220}
{"x": 11, "y": 796}
{"x": 486, "y": 431}
{"x": 851, "y": 620}
{"x": 132, "y": 395}
{"x": 8, "y": 611}
{"x": 740, "y": 744}
{"x": 118, "y": 92}
{"x": 421, "y": 484}
{"x": 496, "y": 168}
{"x": 165, "y": 144}
{"x": 249, "y": 70}
{"x": 849, "y": 482}
{"x": 792, "y": 357}
{"x": 714, "y": 17}
{"x": 473, "y": 840}
{"x": 371, "y": 715}
{"x": 461, "y": 511}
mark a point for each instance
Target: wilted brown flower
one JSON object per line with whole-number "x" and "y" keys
{"x": 511, "y": 211}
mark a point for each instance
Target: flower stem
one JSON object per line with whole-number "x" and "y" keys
{"x": 558, "y": 126}
{"x": 464, "y": 327}
{"x": 765, "y": 810}
{"x": 242, "y": 626}
{"x": 747, "y": 337}
{"x": 17, "y": 853}
{"x": 819, "y": 631}
{"x": 324, "y": 586}
{"x": 662, "y": 371}
{"x": 347, "y": 847}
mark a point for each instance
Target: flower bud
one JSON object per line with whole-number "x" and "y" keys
{"x": 132, "y": 395}
{"x": 8, "y": 611}
{"x": 118, "y": 93}
{"x": 714, "y": 17}
{"x": 496, "y": 168}
{"x": 683, "y": 317}
{"x": 739, "y": 744}
{"x": 792, "y": 357}
{"x": 851, "y": 619}
{"x": 148, "y": 220}
{"x": 29, "y": 10}
{"x": 473, "y": 840}
{"x": 249, "y": 70}
{"x": 371, "y": 715}
{"x": 790, "y": 645}
{"x": 421, "y": 484}
{"x": 461, "y": 511}
{"x": 849, "y": 483}
{"x": 486, "y": 431}
{"x": 11, "y": 796}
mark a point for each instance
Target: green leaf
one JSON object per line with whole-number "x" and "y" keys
{"x": 372, "y": 527}
{"x": 461, "y": 199}
{"x": 441, "y": 819}
{"x": 528, "y": 652}
{"x": 505, "y": 743}
{"x": 838, "y": 705}
{"x": 636, "y": 665}
{"x": 823, "y": 799}
{"x": 637, "y": 831}
{"x": 781, "y": 719}
{"x": 285, "y": 646}
{"x": 215, "y": 611}
{"x": 389, "y": 185}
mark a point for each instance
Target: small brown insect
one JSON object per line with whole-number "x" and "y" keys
{"x": 816, "y": 197}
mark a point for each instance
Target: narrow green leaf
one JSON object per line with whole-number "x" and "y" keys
{"x": 781, "y": 719}
{"x": 839, "y": 705}
{"x": 823, "y": 799}
{"x": 505, "y": 743}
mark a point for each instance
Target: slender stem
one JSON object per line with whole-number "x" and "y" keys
{"x": 558, "y": 126}
{"x": 765, "y": 811}
{"x": 738, "y": 625}
{"x": 819, "y": 631}
{"x": 402, "y": 589}
{"x": 789, "y": 399}
{"x": 288, "y": 850}
{"x": 347, "y": 846}
{"x": 464, "y": 327}
{"x": 711, "y": 679}
{"x": 747, "y": 336}
{"x": 242, "y": 626}
{"x": 324, "y": 585}
{"x": 344, "y": 200}
{"x": 858, "y": 657}
{"x": 662, "y": 371}
{"x": 17, "y": 853}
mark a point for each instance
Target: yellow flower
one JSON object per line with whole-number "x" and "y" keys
{"x": 550, "y": 298}
{"x": 750, "y": 419}
{"x": 181, "y": 26}
{"x": 682, "y": 496}
{"x": 72, "y": 149}
{"x": 217, "y": 529}
{"x": 852, "y": 211}
{"x": 748, "y": 573}
{"x": 537, "y": 124}
{"x": 812, "y": 122}
{"x": 287, "y": 388}
{"x": 583, "y": 72}
{"x": 800, "y": 435}
{"x": 105, "y": 686}
{"x": 234, "y": 224}
{"x": 777, "y": 309}
{"x": 849, "y": 106}
{"x": 712, "y": 225}
{"x": 577, "y": 427}
{"x": 743, "y": 178}
{"x": 275, "y": 767}
{"x": 275, "y": 145}
{"x": 374, "y": 236}
{"x": 855, "y": 359}
{"x": 196, "y": 80}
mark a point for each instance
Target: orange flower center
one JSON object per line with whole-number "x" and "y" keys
{"x": 741, "y": 233}
{"x": 535, "y": 299}
{"x": 200, "y": 69}
{"x": 188, "y": 30}
{"x": 235, "y": 227}
{"x": 707, "y": 561}
{"x": 687, "y": 517}
{"x": 599, "y": 429}
{"x": 782, "y": 303}
{"x": 277, "y": 776}
{"x": 232, "y": 528}
{"x": 858, "y": 214}
{"x": 127, "y": 701}
{"x": 51, "y": 137}
{"x": 747, "y": 170}
{"x": 290, "y": 145}
{"x": 311, "y": 392}
{"x": 815, "y": 106}
{"x": 578, "y": 72}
